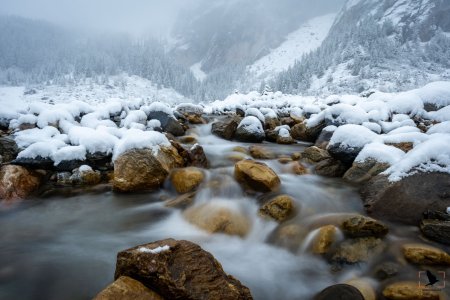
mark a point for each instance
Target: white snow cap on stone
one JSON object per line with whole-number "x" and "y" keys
{"x": 251, "y": 124}
{"x": 157, "y": 250}
{"x": 138, "y": 139}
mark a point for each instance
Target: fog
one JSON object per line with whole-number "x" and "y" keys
{"x": 131, "y": 16}
{"x": 135, "y": 16}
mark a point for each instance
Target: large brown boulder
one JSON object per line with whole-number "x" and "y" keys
{"x": 17, "y": 182}
{"x": 406, "y": 200}
{"x": 256, "y": 176}
{"x": 187, "y": 179}
{"x": 179, "y": 270}
{"x": 141, "y": 170}
{"x": 126, "y": 288}
{"x": 216, "y": 218}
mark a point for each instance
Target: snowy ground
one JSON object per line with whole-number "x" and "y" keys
{"x": 66, "y": 130}
{"x": 197, "y": 71}
{"x": 302, "y": 41}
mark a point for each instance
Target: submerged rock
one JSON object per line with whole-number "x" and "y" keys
{"x": 406, "y": 200}
{"x": 17, "y": 182}
{"x": 140, "y": 170}
{"x": 357, "y": 250}
{"x": 126, "y": 288}
{"x": 330, "y": 168}
{"x": 315, "y": 154}
{"x": 179, "y": 270}
{"x": 279, "y": 208}
{"x": 260, "y": 152}
{"x": 187, "y": 179}
{"x": 256, "y": 176}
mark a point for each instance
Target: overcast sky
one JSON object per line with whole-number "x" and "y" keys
{"x": 135, "y": 16}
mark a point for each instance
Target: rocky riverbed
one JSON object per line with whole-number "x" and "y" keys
{"x": 246, "y": 203}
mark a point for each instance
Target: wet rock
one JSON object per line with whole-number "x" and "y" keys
{"x": 188, "y": 139}
{"x": 279, "y": 208}
{"x": 325, "y": 237}
{"x": 296, "y": 156}
{"x": 236, "y": 157}
{"x": 271, "y": 135}
{"x": 285, "y": 140}
{"x": 168, "y": 123}
{"x": 126, "y": 288}
{"x": 330, "y": 168}
{"x": 425, "y": 255}
{"x": 357, "y": 250}
{"x": 8, "y": 149}
{"x": 360, "y": 226}
{"x": 195, "y": 118}
{"x": 226, "y": 128}
{"x": 240, "y": 112}
{"x": 340, "y": 291}
{"x": 386, "y": 270}
{"x": 436, "y": 230}
{"x": 256, "y": 176}
{"x": 361, "y": 172}
{"x": 409, "y": 291}
{"x": 315, "y": 154}
{"x": 17, "y": 182}
{"x": 63, "y": 178}
{"x": 436, "y": 215}
{"x": 198, "y": 157}
{"x": 217, "y": 218}
{"x": 299, "y": 169}
{"x": 141, "y": 170}
{"x": 308, "y": 134}
{"x": 324, "y": 139}
{"x": 260, "y": 152}
{"x": 288, "y": 121}
{"x": 69, "y": 165}
{"x": 179, "y": 270}
{"x": 250, "y": 130}
{"x": 182, "y": 201}
{"x": 85, "y": 175}
{"x": 344, "y": 153}
{"x": 406, "y": 200}
{"x": 99, "y": 161}
{"x": 187, "y": 179}
{"x": 271, "y": 123}
{"x": 283, "y": 159}
{"x": 38, "y": 162}
{"x": 364, "y": 286}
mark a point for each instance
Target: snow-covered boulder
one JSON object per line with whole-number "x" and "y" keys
{"x": 250, "y": 130}
{"x": 348, "y": 140}
{"x": 165, "y": 116}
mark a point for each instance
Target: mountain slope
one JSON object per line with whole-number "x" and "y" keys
{"x": 387, "y": 45}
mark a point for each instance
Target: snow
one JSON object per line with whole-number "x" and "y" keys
{"x": 94, "y": 140}
{"x": 134, "y": 116}
{"x": 30, "y": 136}
{"x": 354, "y": 136}
{"x": 251, "y": 124}
{"x": 305, "y": 39}
{"x": 381, "y": 153}
{"x": 160, "y": 107}
{"x": 138, "y": 139}
{"x": 85, "y": 169}
{"x": 69, "y": 153}
{"x": 443, "y": 127}
{"x": 441, "y": 115}
{"x": 255, "y": 113}
{"x": 157, "y": 250}
{"x": 283, "y": 132}
{"x": 197, "y": 71}
{"x": 42, "y": 149}
{"x": 432, "y": 155}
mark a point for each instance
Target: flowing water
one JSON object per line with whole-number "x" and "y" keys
{"x": 64, "y": 247}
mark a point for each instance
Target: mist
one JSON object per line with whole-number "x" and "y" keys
{"x": 132, "y": 16}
